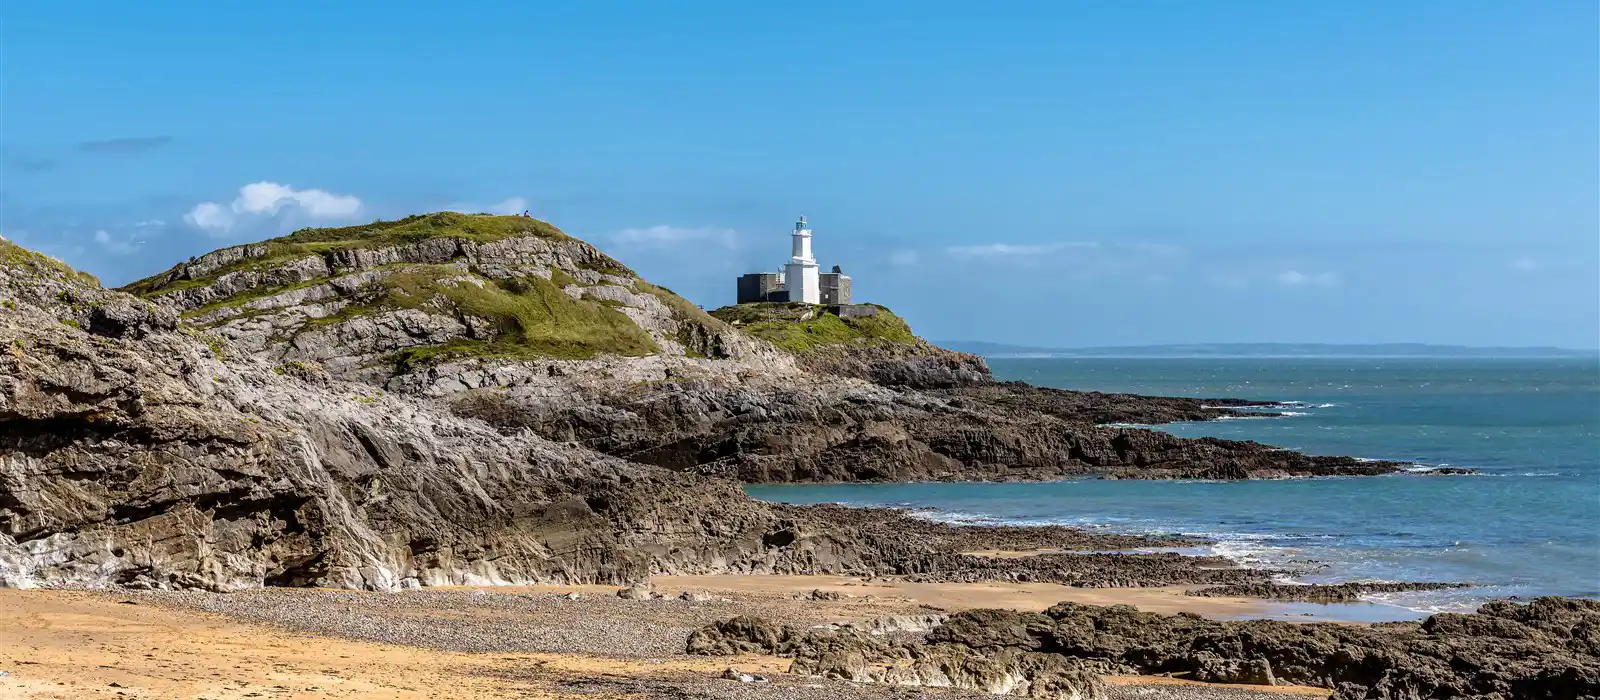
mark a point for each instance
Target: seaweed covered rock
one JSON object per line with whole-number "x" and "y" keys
{"x": 1543, "y": 649}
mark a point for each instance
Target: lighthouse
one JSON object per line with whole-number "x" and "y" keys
{"x": 801, "y": 276}
{"x": 798, "y": 280}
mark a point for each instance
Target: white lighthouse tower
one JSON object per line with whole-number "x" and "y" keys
{"x": 800, "y": 276}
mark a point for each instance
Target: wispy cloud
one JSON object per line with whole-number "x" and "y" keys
{"x": 507, "y": 206}
{"x": 24, "y": 162}
{"x": 1012, "y": 251}
{"x": 126, "y": 145}
{"x": 1296, "y": 278}
{"x": 121, "y": 245}
{"x": 264, "y": 201}
{"x": 674, "y": 236}
{"x": 1525, "y": 264}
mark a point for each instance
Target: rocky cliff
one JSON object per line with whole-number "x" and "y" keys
{"x": 509, "y": 320}
{"x": 136, "y": 450}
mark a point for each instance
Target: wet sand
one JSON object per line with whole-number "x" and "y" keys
{"x": 965, "y": 596}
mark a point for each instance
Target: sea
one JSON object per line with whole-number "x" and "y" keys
{"x": 1528, "y": 524}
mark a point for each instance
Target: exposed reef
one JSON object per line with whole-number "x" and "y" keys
{"x": 1319, "y": 593}
{"x": 1544, "y": 649}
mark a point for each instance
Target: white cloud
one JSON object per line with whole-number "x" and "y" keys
{"x": 905, "y": 258}
{"x": 150, "y": 222}
{"x": 1009, "y": 250}
{"x": 507, "y": 207}
{"x": 266, "y": 200}
{"x": 1295, "y": 278}
{"x": 672, "y": 236}
{"x": 121, "y": 245}
{"x": 210, "y": 216}
{"x": 1525, "y": 265}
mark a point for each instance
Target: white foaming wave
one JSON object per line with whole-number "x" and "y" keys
{"x": 1249, "y": 552}
{"x": 1265, "y": 416}
{"x": 952, "y": 517}
{"x": 1441, "y": 601}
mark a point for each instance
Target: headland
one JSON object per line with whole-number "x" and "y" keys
{"x": 470, "y": 400}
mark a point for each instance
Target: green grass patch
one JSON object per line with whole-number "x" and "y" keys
{"x": 20, "y": 258}
{"x": 478, "y": 228}
{"x": 533, "y": 318}
{"x": 560, "y": 278}
{"x": 801, "y": 328}
{"x": 696, "y": 328}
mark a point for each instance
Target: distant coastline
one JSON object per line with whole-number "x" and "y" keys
{"x": 1270, "y": 350}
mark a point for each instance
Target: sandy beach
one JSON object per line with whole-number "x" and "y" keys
{"x": 963, "y": 596}
{"x": 513, "y": 642}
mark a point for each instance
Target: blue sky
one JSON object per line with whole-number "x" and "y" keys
{"x": 1065, "y": 173}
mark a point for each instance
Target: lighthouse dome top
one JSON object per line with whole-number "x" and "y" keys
{"x": 801, "y": 223}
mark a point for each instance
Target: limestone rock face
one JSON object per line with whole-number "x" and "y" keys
{"x": 336, "y": 308}
{"x": 852, "y": 654}
{"x": 874, "y": 403}
{"x": 134, "y": 452}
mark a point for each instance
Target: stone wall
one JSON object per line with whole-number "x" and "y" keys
{"x": 761, "y": 286}
{"x": 835, "y": 288}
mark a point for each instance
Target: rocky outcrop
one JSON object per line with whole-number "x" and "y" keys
{"x": 1319, "y": 593}
{"x": 854, "y": 654}
{"x": 860, "y": 658}
{"x": 917, "y": 365}
{"x": 362, "y": 306}
{"x": 1548, "y": 648}
{"x": 760, "y": 428}
{"x": 1544, "y": 649}
{"x": 156, "y": 459}
{"x": 645, "y": 376}
{"x": 743, "y": 635}
{"x": 137, "y": 452}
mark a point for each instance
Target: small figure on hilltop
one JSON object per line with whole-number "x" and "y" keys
{"x": 525, "y": 214}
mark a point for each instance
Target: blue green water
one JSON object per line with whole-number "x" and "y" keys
{"x": 1529, "y": 524}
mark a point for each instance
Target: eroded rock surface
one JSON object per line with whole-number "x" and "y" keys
{"x": 671, "y": 386}
{"x": 1545, "y": 649}
{"x": 1549, "y": 648}
{"x": 1319, "y": 593}
{"x": 134, "y": 451}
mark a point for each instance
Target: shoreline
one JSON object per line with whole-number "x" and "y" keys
{"x": 1368, "y": 606}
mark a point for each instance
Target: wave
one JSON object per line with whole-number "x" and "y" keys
{"x": 1267, "y": 416}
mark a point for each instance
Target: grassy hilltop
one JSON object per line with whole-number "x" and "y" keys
{"x": 445, "y": 285}
{"x": 476, "y": 228}
{"x": 804, "y": 328}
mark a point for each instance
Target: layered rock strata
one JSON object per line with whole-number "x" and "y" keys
{"x": 1547, "y": 648}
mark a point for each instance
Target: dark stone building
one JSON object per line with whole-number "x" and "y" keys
{"x": 762, "y": 286}
{"x": 835, "y": 287}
